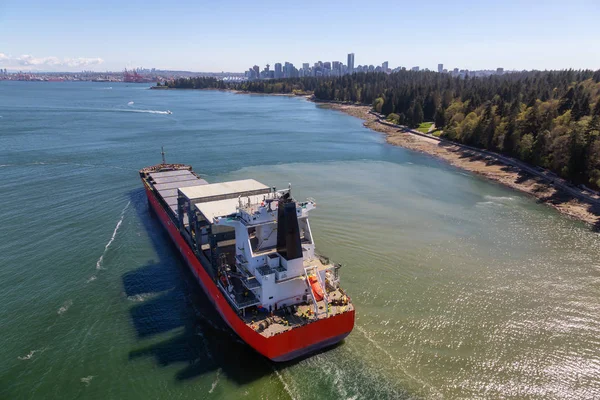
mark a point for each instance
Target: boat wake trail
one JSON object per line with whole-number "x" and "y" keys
{"x": 216, "y": 382}
{"x": 145, "y": 111}
{"x": 130, "y": 103}
{"x": 285, "y": 385}
{"x": 65, "y": 307}
{"x": 112, "y": 238}
{"x": 499, "y": 198}
{"x": 87, "y": 380}
{"x": 30, "y": 355}
{"x": 433, "y": 392}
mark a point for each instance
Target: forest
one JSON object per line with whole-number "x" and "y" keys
{"x": 547, "y": 118}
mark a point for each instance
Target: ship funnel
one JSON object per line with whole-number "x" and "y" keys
{"x": 288, "y": 233}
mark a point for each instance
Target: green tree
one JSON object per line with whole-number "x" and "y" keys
{"x": 440, "y": 118}
{"x": 418, "y": 115}
{"x": 378, "y": 104}
{"x": 526, "y": 147}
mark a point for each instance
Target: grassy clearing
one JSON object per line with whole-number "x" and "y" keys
{"x": 424, "y": 127}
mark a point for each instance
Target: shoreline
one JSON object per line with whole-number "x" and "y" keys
{"x": 480, "y": 163}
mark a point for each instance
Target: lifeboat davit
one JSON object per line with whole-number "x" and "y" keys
{"x": 316, "y": 287}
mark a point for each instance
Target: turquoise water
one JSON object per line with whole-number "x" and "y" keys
{"x": 464, "y": 289}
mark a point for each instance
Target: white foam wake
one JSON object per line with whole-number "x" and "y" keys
{"x": 216, "y": 382}
{"x": 287, "y": 389}
{"x": 87, "y": 380}
{"x": 65, "y": 307}
{"x": 112, "y": 238}
{"x": 30, "y": 355}
{"x": 498, "y": 198}
{"x": 138, "y": 298}
{"x": 130, "y": 103}
{"x": 145, "y": 111}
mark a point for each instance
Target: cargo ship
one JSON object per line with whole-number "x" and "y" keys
{"x": 252, "y": 250}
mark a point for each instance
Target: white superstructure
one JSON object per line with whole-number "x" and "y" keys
{"x": 261, "y": 242}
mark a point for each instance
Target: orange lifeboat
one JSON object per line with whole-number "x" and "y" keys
{"x": 316, "y": 287}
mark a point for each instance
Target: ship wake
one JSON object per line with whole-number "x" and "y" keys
{"x": 112, "y": 238}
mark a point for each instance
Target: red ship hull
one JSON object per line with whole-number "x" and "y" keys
{"x": 282, "y": 347}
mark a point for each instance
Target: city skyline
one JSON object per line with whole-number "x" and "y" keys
{"x": 338, "y": 68}
{"x": 229, "y": 36}
{"x": 317, "y": 69}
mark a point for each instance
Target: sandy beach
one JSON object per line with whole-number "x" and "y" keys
{"x": 481, "y": 164}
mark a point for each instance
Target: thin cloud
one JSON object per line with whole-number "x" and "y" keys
{"x": 27, "y": 60}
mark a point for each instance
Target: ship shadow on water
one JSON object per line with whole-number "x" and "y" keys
{"x": 172, "y": 305}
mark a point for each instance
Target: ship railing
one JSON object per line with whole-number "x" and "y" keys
{"x": 324, "y": 288}
{"x": 307, "y": 272}
{"x": 245, "y": 276}
{"x": 240, "y": 305}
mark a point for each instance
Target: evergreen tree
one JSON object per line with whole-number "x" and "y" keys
{"x": 440, "y": 118}
{"x": 543, "y": 117}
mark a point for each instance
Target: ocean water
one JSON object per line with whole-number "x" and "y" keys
{"x": 464, "y": 289}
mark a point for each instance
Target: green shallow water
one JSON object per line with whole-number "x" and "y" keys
{"x": 463, "y": 289}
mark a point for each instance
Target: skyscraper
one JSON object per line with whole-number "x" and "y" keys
{"x": 337, "y": 68}
{"x": 385, "y": 66}
{"x": 440, "y": 68}
{"x": 278, "y": 71}
{"x": 351, "y": 62}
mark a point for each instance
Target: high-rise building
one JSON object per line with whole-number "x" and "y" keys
{"x": 415, "y": 68}
{"x": 278, "y": 71}
{"x": 499, "y": 70}
{"x": 306, "y": 66}
{"x": 256, "y": 69}
{"x": 289, "y": 71}
{"x": 385, "y": 66}
{"x": 351, "y": 62}
{"x": 440, "y": 68}
{"x": 337, "y": 68}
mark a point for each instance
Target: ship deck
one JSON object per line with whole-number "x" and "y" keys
{"x": 288, "y": 318}
{"x": 285, "y": 318}
{"x": 166, "y": 184}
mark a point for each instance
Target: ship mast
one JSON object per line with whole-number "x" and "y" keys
{"x": 162, "y": 152}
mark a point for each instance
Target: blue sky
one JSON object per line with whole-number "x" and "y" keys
{"x": 234, "y": 35}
